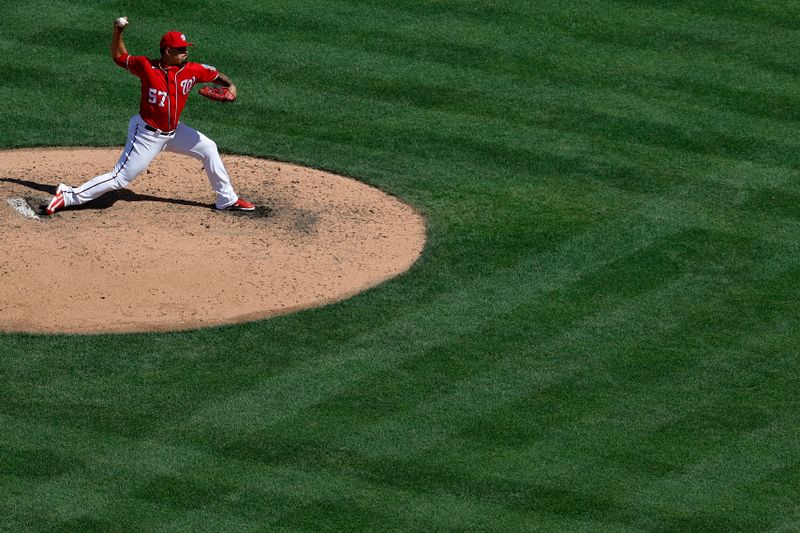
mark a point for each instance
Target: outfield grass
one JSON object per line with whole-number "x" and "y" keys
{"x": 601, "y": 334}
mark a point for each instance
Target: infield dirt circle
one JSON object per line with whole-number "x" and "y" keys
{"x": 158, "y": 257}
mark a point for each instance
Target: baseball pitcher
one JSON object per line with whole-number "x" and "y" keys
{"x": 166, "y": 84}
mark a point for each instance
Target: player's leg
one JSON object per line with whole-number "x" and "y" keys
{"x": 140, "y": 149}
{"x": 189, "y": 141}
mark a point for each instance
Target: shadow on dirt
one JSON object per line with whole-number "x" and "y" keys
{"x": 107, "y": 200}
{"x": 39, "y": 204}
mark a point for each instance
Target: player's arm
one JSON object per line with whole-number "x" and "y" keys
{"x": 117, "y": 45}
{"x": 225, "y": 81}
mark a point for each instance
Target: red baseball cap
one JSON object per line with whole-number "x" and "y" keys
{"x": 174, "y": 39}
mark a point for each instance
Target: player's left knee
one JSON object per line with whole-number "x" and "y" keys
{"x": 207, "y": 148}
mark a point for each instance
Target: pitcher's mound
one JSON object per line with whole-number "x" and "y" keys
{"x": 158, "y": 256}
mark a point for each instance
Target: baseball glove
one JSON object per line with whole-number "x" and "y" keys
{"x": 219, "y": 94}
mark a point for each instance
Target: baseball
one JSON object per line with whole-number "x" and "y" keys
{"x": 121, "y": 22}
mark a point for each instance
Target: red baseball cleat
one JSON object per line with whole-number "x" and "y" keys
{"x": 241, "y": 205}
{"x": 57, "y": 202}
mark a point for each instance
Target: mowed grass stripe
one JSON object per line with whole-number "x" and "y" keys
{"x": 562, "y": 353}
{"x": 598, "y": 160}
{"x": 582, "y": 403}
{"x": 573, "y": 357}
{"x": 315, "y": 417}
{"x": 533, "y": 323}
{"x": 366, "y": 70}
{"x": 156, "y": 485}
{"x": 431, "y": 461}
{"x": 775, "y": 17}
{"x": 693, "y": 136}
{"x": 719, "y": 332}
{"x": 357, "y": 358}
{"x": 367, "y": 84}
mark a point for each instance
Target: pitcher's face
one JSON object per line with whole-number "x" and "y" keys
{"x": 176, "y": 56}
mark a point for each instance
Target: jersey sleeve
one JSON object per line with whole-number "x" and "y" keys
{"x": 205, "y": 73}
{"x": 134, "y": 64}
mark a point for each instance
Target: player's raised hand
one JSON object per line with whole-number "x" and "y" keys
{"x": 121, "y": 22}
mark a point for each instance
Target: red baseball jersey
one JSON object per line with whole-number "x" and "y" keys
{"x": 165, "y": 89}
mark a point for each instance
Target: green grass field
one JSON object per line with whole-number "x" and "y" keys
{"x": 602, "y": 334}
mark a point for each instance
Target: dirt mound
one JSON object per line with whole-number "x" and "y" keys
{"x": 158, "y": 256}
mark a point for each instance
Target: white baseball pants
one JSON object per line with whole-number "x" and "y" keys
{"x": 141, "y": 148}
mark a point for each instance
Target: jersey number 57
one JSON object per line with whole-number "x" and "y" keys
{"x": 155, "y": 95}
